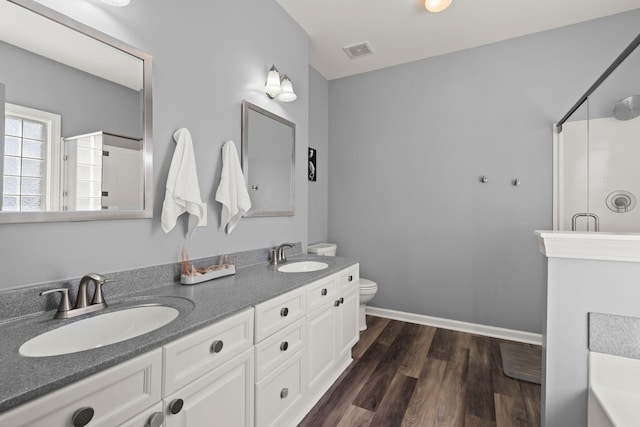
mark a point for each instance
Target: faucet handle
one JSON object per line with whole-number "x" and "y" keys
{"x": 273, "y": 256}
{"x": 98, "y": 297}
{"x": 64, "y": 305}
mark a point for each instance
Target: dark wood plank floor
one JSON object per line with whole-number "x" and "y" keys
{"x": 410, "y": 375}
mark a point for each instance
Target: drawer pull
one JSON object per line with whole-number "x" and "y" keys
{"x": 284, "y": 312}
{"x": 323, "y": 292}
{"x": 176, "y": 406}
{"x": 341, "y": 300}
{"x": 350, "y": 278}
{"x": 82, "y": 417}
{"x": 284, "y": 346}
{"x": 216, "y": 346}
{"x": 337, "y": 303}
{"x": 284, "y": 393}
{"x": 155, "y": 420}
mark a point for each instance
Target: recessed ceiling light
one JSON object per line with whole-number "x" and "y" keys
{"x": 436, "y": 5}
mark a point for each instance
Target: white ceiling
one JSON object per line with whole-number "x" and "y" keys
{"x": 401, "y": 31}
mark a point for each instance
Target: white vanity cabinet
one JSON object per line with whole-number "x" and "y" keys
{"x": 265, "y": 366}
{"x": 107, "y": 399}
{"x": 209, "y": 375}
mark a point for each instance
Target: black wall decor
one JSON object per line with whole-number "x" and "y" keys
{"x": 312, "y": 164}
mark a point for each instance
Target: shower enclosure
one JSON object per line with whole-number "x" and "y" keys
{"x": 597, "y": 153}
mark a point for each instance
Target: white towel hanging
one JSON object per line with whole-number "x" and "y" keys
{"x": 183, "y": 192}
{"x": 232, "y": 192}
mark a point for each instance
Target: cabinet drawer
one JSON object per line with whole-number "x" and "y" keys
{"x": 349, "y": 278}
{"x": 222, "y": 397}
{"x": 279, "y": 392}
{"x": 322, "y": 291}
{"x": 278, "y": 312}
{"x": 115, "y": 396}
{"x": 190, "y": 357}
{"x": 279, "y": 347}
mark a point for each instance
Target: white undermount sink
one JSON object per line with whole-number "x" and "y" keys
{"x": 303, "y": 267}
{"x": 98, "y": 331}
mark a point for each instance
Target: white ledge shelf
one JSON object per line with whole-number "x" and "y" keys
{"x": 593, "y": 246}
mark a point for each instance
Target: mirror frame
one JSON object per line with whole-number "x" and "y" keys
{"x": 69, "y": 216}
{"x": 246, "y": 108}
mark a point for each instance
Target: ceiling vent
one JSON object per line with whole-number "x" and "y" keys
{"x": 358, "y": 50}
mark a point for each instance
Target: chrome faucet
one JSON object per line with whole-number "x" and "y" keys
{"x": 278, "y": 255}
{"x": 281, "y": 248}
{"x": 81, "y": 306}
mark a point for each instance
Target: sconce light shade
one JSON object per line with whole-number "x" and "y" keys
{"x": 117, "y": 2}
{"x": 436, "y": 5}
{"x": 287, "y": 94}
{"x": 272, "y": 87}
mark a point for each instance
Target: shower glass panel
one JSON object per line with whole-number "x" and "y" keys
{"x": 597, "y": 157}
{"x": 571, "y": 180}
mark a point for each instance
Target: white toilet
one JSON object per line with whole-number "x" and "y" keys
{"x": 368, "y": 288}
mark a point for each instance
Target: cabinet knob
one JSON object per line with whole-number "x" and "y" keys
{"x": 176, "y": 406}
{"x": 350, "y": 278}
{"x": 216, "y": 346}
{"x": 284, "y": 312}
{"x": 323, "y": 292}
{"x": 337, "y": 303}
{"x": 284, "y": 346}
{"x": 155, "y": 420}
{"x": 341, "y": 300}
{"x": 284, "y": 393}
{"x": 82, "y": 417}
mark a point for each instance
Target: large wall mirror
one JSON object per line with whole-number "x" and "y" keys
{"x": 268, "y": 159}
{"x": 76, "y": 134}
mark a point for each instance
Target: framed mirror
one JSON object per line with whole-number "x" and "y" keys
{"x": 268, "y": 161}
{"x": 76, "y": 132}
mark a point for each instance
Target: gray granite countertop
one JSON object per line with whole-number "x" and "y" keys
{"x": 25, "y": 378}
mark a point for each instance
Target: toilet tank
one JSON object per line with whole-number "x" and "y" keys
{"x": 325, "y": 249}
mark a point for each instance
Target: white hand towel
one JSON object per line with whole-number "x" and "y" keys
{"x": 232, "y": 191}
{"x": 183, "y": 191}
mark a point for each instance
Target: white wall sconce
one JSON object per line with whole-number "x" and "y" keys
{"x": 437, "y": 5}
{"x": 117, "y": 2}
{"x": 279, "y": 88}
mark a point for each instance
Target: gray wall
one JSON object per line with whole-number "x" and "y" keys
{"x": 319, "y": 139}
{"x": 577, "y": 287}
{"x": 407, "y": 145}
{"x": 2, "y": 93}
{"x": 208, "y": 57}
{"x": 86, "y": 103}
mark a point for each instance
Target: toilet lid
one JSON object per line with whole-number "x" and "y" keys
{"x": 366, "y": 283}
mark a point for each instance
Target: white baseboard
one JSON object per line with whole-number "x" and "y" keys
{"x": 472, "y": 328}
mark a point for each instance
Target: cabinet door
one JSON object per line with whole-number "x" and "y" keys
{"x": 222, "y": 397}
{"x": 347, "y": 323}
{"x": 321, "y": 343}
